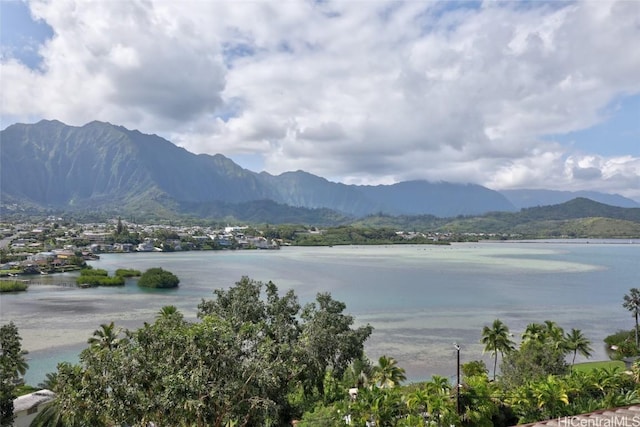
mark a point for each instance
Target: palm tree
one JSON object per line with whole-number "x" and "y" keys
{"x": 632, "y": 303}
{"x": 49, "y": 381}
{"x": 359, "y": 372}
{"x": 169, "y": 312}
{"x": 388, "y": 374}
{"x": 418, "y": 401}
{"x": 554, "y": 335}
{"x": 533, "y": 332}
{"x": 106, "y": 337}
{"x": 577, "y": 343}
{"x": 497, "y": 339}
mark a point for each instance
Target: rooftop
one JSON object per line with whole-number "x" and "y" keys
{"x": 28, "y": 401}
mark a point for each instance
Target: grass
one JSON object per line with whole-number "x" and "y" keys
{"x": 606, "y": 364}
{"x": 12, "y": 286}
{"x": 8, "y": 273}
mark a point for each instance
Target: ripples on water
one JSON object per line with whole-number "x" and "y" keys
{"x": 420, "y": 299}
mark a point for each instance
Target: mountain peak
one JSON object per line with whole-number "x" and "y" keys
{"x": 105, "y": 166}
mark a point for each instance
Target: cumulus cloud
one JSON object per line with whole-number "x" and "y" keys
{"x": 362, "y": 92}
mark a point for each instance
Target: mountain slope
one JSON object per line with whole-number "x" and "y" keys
{"x": 441, "y": 199}
{"x": 576, "y": 218}
{"x": 306, "y": 190}
{"x": 57, "y": 165}
{"x": 530, "y": 198}
{"x": 102, "y": 166}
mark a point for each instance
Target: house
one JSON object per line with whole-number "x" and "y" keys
{"x": 27, "y": 407}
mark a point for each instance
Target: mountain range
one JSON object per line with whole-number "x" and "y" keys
{"x": 100, "y": 166}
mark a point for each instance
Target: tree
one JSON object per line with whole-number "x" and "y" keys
{"x": 441, "y": 407}
{"x": 328, "y": 340}
{"x": 158, "y": 278}
{"x": 377, "y": 406}
{"x": 554, "y": 335}
{"x": 239, "y": 364}
{"x": 479, "y": 401}
{"x": 497, "y": 339}
{"x": 68, "y": 407}
{"x": 169, "y": 312}
{"x": 577, "y": 343}
{"x": 388, "y": 374}
{"x": 13, "y": 366}
{"x": 474, "y": 368}
{"x": 119, "y": 228}
{"x": 632, "y": 303}
{"x": 548, "y": 332}
{"x": 534, "y": 360}
{"x": 552, "y": 398}
{"x": 105, "y": 338}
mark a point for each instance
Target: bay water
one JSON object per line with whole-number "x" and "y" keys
{"x": 420, "y": 299}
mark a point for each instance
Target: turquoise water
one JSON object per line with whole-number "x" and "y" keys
{"x": 420, "y": 299}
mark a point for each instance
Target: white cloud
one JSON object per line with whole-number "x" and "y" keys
{"x": 363, "y": 92}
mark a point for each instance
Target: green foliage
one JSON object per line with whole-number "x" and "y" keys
{"x": 474, "y": 368}
{"x": 99, "y": 280}
{"x": 158, "y": 278}
{"x": 632, "y": 303}
{"x": 13, "y": 365}
{"x": 238, "y": 365}
{"x": 497, "y": 339}
{"x": 98, "y": 277}
{"x": 128, "y": 272}
{"x": 12, "y": 286}
{"x": 576, "y": 342}
{"x": 621, "y": 344}
{"x": 590, "y": 366}
{"x": 328, "y": 340}
{"x": 93, "y": 272}
{"x": 323, "y": 416}
{"x": 532, "y": 361}
{"x": 388, "y": 374}
{"x": 350, "y": 235}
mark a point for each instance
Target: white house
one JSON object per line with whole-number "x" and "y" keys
{"x": 27, "y": 407}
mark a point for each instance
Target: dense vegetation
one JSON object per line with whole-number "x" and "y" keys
{"x": 158, "y": 278}
{"x": 13, "y": 365}
{"x": 256, "y": 357}
{"x": 12, "y": 286}
{"x": 347, "y": 235}
{"x": 578, "y": 218}
{"x": 98, "y": 277}
{"x": 128, "y": 272}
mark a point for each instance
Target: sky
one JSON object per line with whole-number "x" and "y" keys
{"x": 505, "y": 94}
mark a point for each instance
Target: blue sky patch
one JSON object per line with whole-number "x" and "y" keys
{"x": 22, "y": 36}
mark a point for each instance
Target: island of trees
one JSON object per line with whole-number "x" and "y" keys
{"x": 158, "y": 278}
{"x": 256, "y": 357}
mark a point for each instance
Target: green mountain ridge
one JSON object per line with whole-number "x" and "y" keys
{"x": 52, "y": 165}
{"x": 104, "y": 169}
{"x": 579, "y": 217}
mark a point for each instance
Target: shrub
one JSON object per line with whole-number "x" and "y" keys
{"x": 127, "y": 272}
{"x": 621, "y": 344}
{"x": 158, "y": 278}
{"x": 100, "y": 281}
{"x": 12, "y": 286}
{"x": 94, "y": 272}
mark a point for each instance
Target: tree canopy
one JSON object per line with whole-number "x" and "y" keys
{"x": 158, "y": 278}
{"x": 13, "y": 365}
{"x": 239, "y": 363}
